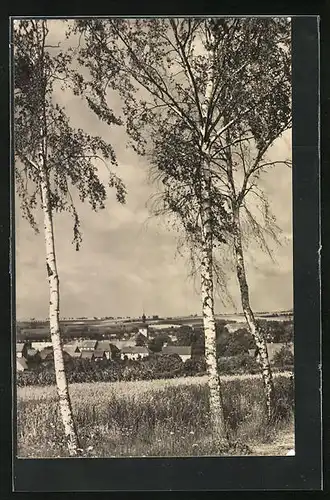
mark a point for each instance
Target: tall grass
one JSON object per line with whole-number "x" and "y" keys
{"x": 150, "y": 418}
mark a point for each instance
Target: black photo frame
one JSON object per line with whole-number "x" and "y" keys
{"x": 304, "y": 470}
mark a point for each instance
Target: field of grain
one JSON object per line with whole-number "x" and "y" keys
{"x": 152, "y": 418}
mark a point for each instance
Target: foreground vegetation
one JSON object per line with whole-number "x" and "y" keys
{"x": 152, "y": 418}
{"x": 149, "y": 368}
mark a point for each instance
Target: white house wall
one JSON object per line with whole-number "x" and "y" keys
{"x": 40, "y": 345}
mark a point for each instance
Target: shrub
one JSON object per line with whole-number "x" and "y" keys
{"x": 165, "y": 362}
{"x": 194, "y": 366}
{"x": 283, "y": 358}
{"x": 239, "y": 364}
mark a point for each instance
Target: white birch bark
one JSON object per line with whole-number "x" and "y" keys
{"x": 207, "y": 295}
{"x": 255, "y": 331}
{"x": 207, "y": 289}
{"x": 54, "y": 323}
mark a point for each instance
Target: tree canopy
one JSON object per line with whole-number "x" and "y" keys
{"x": 41, "y": 70}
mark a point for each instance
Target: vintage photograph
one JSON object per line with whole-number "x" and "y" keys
{"x": 152, "y": 161}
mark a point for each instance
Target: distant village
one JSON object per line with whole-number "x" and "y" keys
{"x": 124, "y": 343}
{"x": 120, "y": 345}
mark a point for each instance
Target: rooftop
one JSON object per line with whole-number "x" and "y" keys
{"x": 87, "y": 354}
{"x": 73, "y": 350}
{"x": 99, "y": 353}
{"x": 87, "y": 344}
{"x": 103, "y": 345}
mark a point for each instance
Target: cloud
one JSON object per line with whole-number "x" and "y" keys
{"x": 126, "y": 263}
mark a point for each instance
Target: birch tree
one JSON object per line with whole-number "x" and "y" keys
{"x": 187, "y": 76}
{"x": 244, "y": 195}
{"x": 52, "y": 161}
{"x": 235, "y": 169}
{"x": 239, "y": 167}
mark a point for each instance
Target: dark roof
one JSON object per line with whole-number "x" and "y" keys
{"x": 103, "y": 345}
{"x": 135, "y": 350}
{"x": 140, "y": 338}
{"x": 87, "y": 354}
{"x": 75, "y": 354}
{"x": 177, "y": 349}
{"x": 99, "y": 353}
{"x": 122, "y": 344}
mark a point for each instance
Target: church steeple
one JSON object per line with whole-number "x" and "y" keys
{"x": 144, "y": 327}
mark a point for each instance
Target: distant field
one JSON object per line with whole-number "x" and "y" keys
{"x": 115, "y": 323}
{"x": 156, "y": 418}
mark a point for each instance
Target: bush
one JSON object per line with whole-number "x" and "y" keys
{"x": 82, "y": 370}
{"x": 242, "y": 363}
{"x": 165, "y": 362}
{"x": 283, "y": 358}
{"x": 194, "y": 366}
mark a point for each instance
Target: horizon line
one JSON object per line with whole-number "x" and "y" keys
{"x": 234, "y": 313}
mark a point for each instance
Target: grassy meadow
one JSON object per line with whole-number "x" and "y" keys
{"x": 153, "y": 418}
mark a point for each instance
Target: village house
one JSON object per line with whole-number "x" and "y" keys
{"x": 47, "y": 354}
{"x": 121, "y": 344}
{"x": 88, "y": 345}
{"x": 40, "y": 344}
{"x": 110, "y": 349}
{"x": 22, "y": 349}
{"x": 143, "y": 328}
{"x": 21, "y": 364}
{"x": 72, "y": 349}
{"x": 134, "y": 352}
{"x": 183, "y": 351}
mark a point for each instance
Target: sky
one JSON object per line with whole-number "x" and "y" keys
{"x": 128, "y": 262}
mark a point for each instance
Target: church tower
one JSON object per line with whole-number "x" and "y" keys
{"x": 144, "y": 327}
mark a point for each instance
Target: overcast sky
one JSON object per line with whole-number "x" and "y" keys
{"x": 126, "y": 263}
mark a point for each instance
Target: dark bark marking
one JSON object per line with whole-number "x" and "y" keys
{"x": 49, "y": 271}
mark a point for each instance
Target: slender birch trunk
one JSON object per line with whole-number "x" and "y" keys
{"x": 54, "y": 323}
{"x": 207, "y": 289}
{"x": 207, "y": 294}
{"x": 255, "y": 331}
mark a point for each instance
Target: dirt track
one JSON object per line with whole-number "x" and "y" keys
{"x": 282, "y": 444}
